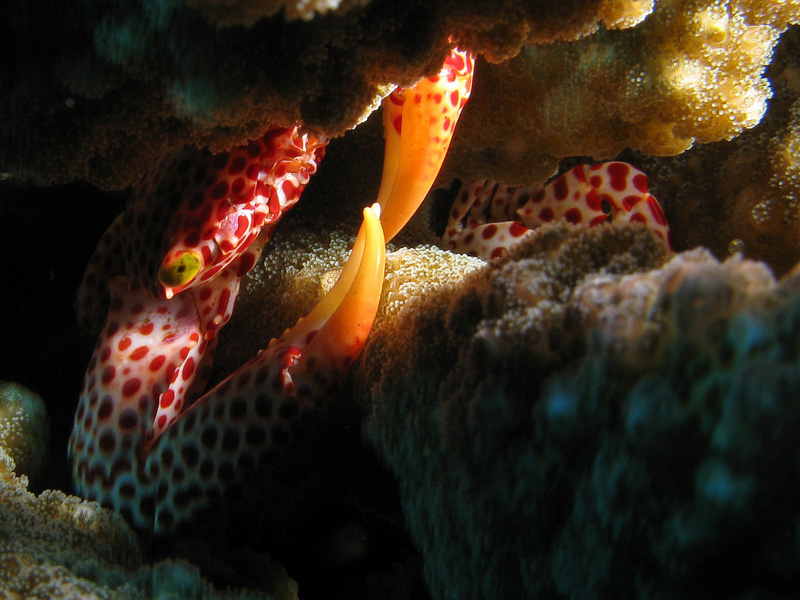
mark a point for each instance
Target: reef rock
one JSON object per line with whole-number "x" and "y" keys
{"x": 24, "y": 430}
{"x": 589, "y": 418}
{"x": 58, "y": 546}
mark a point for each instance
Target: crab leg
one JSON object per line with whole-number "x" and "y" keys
{"x": 418, "y": 125}
{"x": 143, "y": 443}
{"x": 487, "y": 218}
{"x": 150, "y": 362}
{"x": 253, "y": 414}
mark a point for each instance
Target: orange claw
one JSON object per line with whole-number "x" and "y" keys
{"x": 255, "y": 413}
{"x": 418, "y": 126}
{"x": 343, "y": 319}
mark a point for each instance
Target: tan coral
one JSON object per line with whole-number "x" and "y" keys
{"x": 134, "y": 84}
{"x": 45, "y": 538}
{"x": 742, "y": 196}
{"x": 520, "y": 300}
{"x": 692, "y": 72}
{"x": 58, "y": 546}
{"x": 24, "y": 430}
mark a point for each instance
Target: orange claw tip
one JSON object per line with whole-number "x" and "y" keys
{"x": 418, "y": 125}
{"x": 340, "y": 323}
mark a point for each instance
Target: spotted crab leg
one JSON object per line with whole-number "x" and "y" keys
{"x": 488, "y": 218}
{"x": 418, "y": 125}
{"x": 252, "y": 415}
{"x": 150, "y": 363}
{"x": 193, "y": 229}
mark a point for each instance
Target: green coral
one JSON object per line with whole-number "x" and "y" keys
{"x": 591, "y": 422}
{"x": 24, "y": 430}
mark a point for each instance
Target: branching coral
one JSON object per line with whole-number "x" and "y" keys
{"x": 582, "y": 427}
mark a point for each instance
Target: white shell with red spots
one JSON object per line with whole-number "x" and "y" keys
{"x": 487, "y": 218}
{"x": 213, "y": 204}
{"x": 153, "y": 353}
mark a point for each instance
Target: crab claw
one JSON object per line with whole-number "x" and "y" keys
{"x": 339, "y": 325}
{"x": 418, "y": 125}
{"x": 252, "y": 415}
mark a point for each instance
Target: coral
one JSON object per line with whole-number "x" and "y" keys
{"x": 98, "y": 92}
{"x": 24, "y": 430}
{"x": 59, "y": 546}
{"x": 583, "y": 419}
{"x": 55, "y": 540}
{"x": 692, "y": 72}
{"x": 226, "y": 13}
{"x": 746, "y": 189}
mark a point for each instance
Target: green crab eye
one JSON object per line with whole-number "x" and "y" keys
{"x": 181, "y": 271}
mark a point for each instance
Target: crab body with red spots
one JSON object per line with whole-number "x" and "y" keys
{"x": 488, "y": 218}
{"x": 147, "y": 441}
{"x": 173, "y": 262}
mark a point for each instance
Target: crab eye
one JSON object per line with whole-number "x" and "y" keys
{"x": 180, "y": 271}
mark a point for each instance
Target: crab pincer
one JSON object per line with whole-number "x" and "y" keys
{"x": 418, "y": 125}
{"x": 147, "y": 441}
{"x": 251, "y": 416}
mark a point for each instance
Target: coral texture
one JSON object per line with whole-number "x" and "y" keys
{"x": 24, "y": 430}
{"x": 747, "y": 189}
{"x": 583, "y": 420}
{"x": 692, "y": 72}
{"x": 58, "y": 546}
{"x": 100, "y": 91}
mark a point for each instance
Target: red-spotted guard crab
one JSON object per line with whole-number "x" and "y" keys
{"x": 487, "y": 218}
{"x": 146, "y": 441}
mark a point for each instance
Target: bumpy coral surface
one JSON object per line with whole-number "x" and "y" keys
{"x": 58, "y": 546}
{"x": 24, "y": 430}
{"x": 692, "y": 72}
{"x": 590, "y": 421}
{"x": 98, "y": 92}
{"x": 747, "y": 190}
